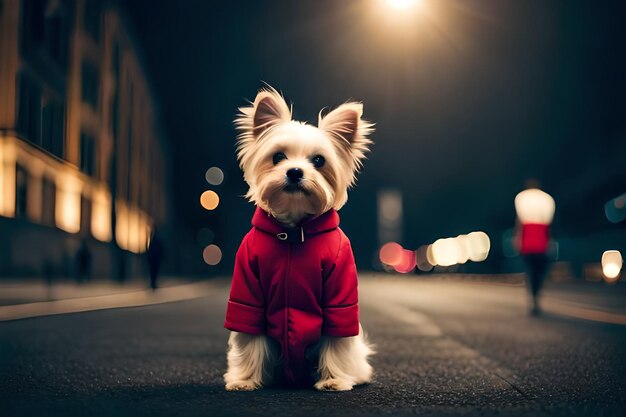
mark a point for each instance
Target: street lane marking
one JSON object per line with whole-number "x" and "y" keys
{"x": 580, "y": 312}
{"x": 104, "y": 302}
{"x": 387, "y": 304}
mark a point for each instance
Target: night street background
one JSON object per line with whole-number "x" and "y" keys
{"x": 470, "y": 99}
{"x": 122, "y": 202}
{"x": 445, "y": 347}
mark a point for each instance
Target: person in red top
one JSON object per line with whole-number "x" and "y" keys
{"x": 308, "y": 277}
{"x": 535, "y": 211}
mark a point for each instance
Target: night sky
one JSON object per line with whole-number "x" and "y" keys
{"x": 470, "y": 98}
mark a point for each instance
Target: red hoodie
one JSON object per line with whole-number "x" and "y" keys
{"x": 294, "y": 285}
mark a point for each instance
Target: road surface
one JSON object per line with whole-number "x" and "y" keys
{"x": 445, "y": 347}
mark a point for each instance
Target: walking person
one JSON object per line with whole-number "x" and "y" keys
{"x": 535, "y": 212}
{"x": 155, "y": 256}
{"x": 83, "y": 262}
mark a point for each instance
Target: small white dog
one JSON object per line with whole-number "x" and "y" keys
{"x": 293, "y": 308}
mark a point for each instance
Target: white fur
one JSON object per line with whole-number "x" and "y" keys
{"x": 342, "y": 362}
{"x": 249, "y": 362}
{"x": 341, "y": 137}
{"x": 266, "y": 127}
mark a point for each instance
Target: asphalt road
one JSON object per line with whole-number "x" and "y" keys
{"x": 444, "y": 348}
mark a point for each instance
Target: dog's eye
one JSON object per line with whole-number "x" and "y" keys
{"x": 278, "y": 156}
{"x": 318, "y": 161}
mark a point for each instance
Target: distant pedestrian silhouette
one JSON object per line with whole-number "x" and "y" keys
{"x": 155, "y": 257}
{"x": 83, "y": 262}
{"x": 535, "y": 211}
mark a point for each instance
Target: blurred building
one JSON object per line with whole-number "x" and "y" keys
{"x": 82, "y": 154}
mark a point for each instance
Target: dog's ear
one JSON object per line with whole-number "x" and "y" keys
{"x": 268, "y": 109}
{"x": 349, "y": 129}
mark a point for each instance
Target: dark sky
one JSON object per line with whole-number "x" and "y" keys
{"x": 470, "y": 99}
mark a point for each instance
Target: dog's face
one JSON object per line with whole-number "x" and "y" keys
{"x": 295, "y": 170}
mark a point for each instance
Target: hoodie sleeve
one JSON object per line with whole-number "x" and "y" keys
{"x": 340, "y": 296}
{"x": 245, "y": 312}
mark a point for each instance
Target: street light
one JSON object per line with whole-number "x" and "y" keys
{"x": 611, "y": 264}
{"x": 404, "y": 4}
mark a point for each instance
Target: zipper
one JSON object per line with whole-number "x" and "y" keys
{"x": 287, "y": 309}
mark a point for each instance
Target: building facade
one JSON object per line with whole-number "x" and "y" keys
{"x": 82, "y": 154}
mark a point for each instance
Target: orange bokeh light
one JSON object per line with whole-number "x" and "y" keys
{"x": 209, "y": 200}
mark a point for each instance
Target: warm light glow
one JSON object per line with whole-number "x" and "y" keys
{"x": 391, "y": 253}
{"x": 7, "y": 179}
{"x": 121, "y": 225}
{"x": 212, "y": 255}
{"x": 534, "y": 206}
{"x": 403, "y": 4}
{"x": 479, "y": 246}
{"x": 611, "y": 265}
{"x": 133, "y": 229}
{"x": 214, "y": 176}
{"x": 209, "y": 200}
{"x": 446, "y": 252}
{"x": 463, "y": 248}
{"x": 455, "y": 250}
{"x": 429, "y": 255}
{"x": 101, "y": 215}
{"x": 67, "y": 207}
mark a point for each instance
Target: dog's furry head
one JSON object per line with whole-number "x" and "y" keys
{"x": 295, "y": 170}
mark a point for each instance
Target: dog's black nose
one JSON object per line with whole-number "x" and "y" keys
{"x": 294, "y": 175}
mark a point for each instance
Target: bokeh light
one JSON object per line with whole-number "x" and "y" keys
{"x": 445, "y": 252}
{"x": 463, "y": 248}
{"x": 429, "y": 255}
{"x": 615, "y": 209}
{"x": 209, "y": 200}
{"x": 455, "y": 250}
{"x": 611, "y": 265}
{"x": 479, "y": 246}
{"x": 421, "y": 259}
{"x": 212, "y": 255}
{"x": 214, "y": 176}
{"x": 391, "y": 253}
{"x": 407, "y": 262}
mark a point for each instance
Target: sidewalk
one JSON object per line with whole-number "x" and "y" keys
{"x": 23, "y": 298}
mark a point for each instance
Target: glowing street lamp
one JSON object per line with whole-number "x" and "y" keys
{"x": 400, "y": 14}
{"x": 611, "y": 264}
{"x": 403, "y": 4}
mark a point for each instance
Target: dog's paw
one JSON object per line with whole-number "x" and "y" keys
{"x": 242, "y": 386}
{"x": 333, "y": 384}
